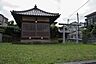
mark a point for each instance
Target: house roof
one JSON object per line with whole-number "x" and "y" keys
{"x": 91, "y": 14}
{"x": 3, "y": 16}
{"x": 35, "y": 12}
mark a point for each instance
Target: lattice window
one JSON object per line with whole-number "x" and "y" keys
{"x": 28, "y": 27}
{"x": 35, "y": 29}
{"x": 42, "y": 27}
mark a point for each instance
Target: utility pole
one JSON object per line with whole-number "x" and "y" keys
{"x": 67, "y": 21}
{"x": 63, "y": 33}
{"x": 77, "y": 31}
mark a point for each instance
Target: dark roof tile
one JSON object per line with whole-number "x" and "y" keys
{"x": 36, "y": 12}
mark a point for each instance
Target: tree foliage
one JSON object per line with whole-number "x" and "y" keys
{"x": 54, "y": 31}
{"x": 11, "y": 23}
{"x": 89, "y": 32}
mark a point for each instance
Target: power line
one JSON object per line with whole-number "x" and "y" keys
{"x": 79, "y": 8}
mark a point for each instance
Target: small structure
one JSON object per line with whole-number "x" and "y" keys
{"x": 34, "y": 24}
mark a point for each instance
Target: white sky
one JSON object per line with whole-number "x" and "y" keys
{"x": 64, "y": 7}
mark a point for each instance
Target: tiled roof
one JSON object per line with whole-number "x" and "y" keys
{"x": 36, "y": 12}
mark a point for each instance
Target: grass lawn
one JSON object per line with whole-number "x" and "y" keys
{"x": 45, "y": 53}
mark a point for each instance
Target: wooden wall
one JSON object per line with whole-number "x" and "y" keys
{"x": 35, "y": 28}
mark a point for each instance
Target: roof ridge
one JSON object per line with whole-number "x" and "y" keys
{"x": 36, "y": 8}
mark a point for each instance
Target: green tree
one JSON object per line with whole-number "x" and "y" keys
{"x": 11, "y": 23}
{"x": 54, "y": 31}
{"x": 89, "y": 32}
{"x": 93, "y": 32}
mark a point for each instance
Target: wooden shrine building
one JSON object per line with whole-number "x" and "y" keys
{"x": 34, "y": 24}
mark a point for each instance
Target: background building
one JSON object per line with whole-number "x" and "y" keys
{"x": 3, "y": 20}
{"x": 89, "y": 34}
{"x": 3, "y": 23}
{"x": 90, "y": 19}
{"x": 71, "y": 31}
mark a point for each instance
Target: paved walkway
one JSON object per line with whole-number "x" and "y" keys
{"x": 81, "y": 62}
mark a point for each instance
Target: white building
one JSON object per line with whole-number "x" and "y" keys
{"x": 3, "y": 23}
{"x": 71, "y": 31}
{"x": 3, "y": 20}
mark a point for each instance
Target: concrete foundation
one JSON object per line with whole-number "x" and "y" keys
{"x": 35, "y": 41}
